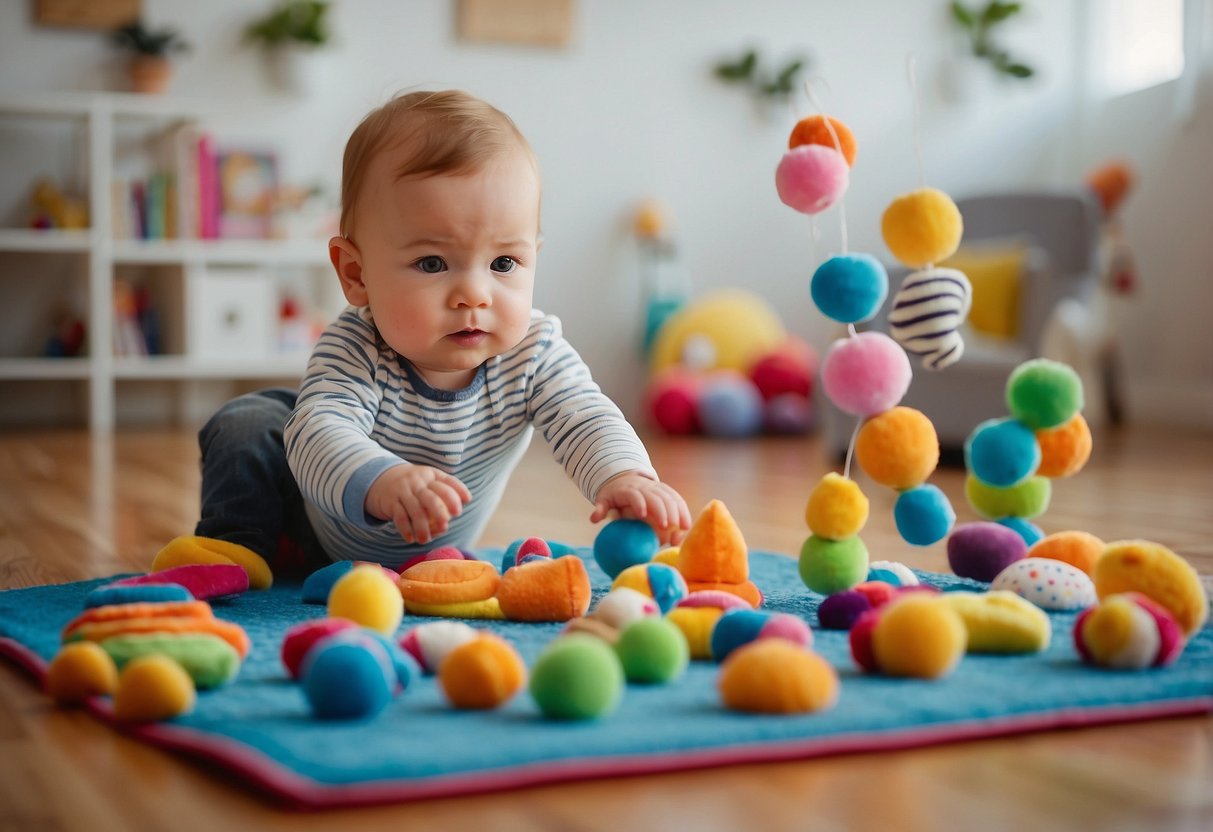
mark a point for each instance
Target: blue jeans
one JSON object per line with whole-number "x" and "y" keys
{"x": 249, "y": 495}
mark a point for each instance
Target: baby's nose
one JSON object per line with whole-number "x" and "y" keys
{"x": 472, "y": 291}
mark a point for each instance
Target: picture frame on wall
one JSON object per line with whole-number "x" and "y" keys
{"x": 105, "y": 15}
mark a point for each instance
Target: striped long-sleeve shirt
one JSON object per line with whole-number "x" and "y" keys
{"x": 363, "y": 408}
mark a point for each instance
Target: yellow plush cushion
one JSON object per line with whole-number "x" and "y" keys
{"x": 996, "y": 275}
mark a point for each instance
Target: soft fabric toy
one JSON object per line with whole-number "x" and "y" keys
{"x": 577, "y": 677}
{"x": 369, "y": 597}
{"x": 653, "y": 651}
{"x": 714, "y": 556}
{"x": 192, "y": 549}
{"x": 482, "y": 673}
{"x": 1000, "y": 622}
{"x": 151, "y": 689}
{"x": 1153, "y": 570}
{"x": 775, "y": 676}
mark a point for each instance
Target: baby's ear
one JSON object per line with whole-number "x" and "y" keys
{"x": 347, "y": 261}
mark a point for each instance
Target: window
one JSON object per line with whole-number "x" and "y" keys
{"x": 1140, "y": 44}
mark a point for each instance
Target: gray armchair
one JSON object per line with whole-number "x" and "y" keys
{"x": 1061, "y": 233}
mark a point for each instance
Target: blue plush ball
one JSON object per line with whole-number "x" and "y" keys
{"x": 1002, "y": 452}
{"x": 730, "y": 405}
{"x": 318, "y": 585}
{"x": 1029, "y": 531}
{"x": 887, "y": 576}
{"x": 923, "y": 515}
{"x": 623, "y": 543}
{"x": 850, "y": 287}
{"x": 348, "y": 676}
{"x": 404, "y": 665}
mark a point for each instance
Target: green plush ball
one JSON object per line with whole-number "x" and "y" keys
{"x": 1028, "y": 499}
{"x": 653, "y": 651}
{"x": 577, "y": 676}
{"x": 1044, "y": 394}
{"x": 829, "y": 566}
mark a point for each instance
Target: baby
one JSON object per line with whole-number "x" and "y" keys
{"x": 421, "y": 397}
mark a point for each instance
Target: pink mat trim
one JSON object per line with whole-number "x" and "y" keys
{"x": 303, "y": 793}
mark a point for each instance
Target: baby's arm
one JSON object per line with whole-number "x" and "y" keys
{"x": 599, "y": 450}
{"x": 637, "y": 496}
{"x": 337, "y": 464}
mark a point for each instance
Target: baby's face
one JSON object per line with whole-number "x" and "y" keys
{"x": 448, "y": 263}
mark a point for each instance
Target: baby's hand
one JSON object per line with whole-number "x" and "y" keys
{"x": 419, "y": 499}
{"x": 638, "y": 497}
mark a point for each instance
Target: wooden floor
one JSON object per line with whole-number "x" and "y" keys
{"x": 72, "y": 508}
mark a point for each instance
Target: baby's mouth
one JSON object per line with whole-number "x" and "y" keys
{"x": 469, "y": 336}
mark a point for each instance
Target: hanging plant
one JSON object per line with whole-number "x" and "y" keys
{"x": 763, "y": 84}
{"x": 979, "y": 25}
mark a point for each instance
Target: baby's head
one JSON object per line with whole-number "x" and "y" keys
{"x": 440, "y": 231}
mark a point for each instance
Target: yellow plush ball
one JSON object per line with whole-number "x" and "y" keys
{"x": 1077, "y": 548}
{"x": 482, "y": 673}
{"x": 696, "y": 624}
{"x": 919, "y": 636}
{"x": 775, "y": 676}
{"x": 1157, "y": 573}
{"x": 79, "y": 670}
{"x": 1000, "y": 622}
{"x": 668, "y": 556}
{"x": 153, "y": 688}
{"x": 836, "y": 508}
{"x": 922, "y": 227}
{"x": 367, "y": 596}
{"x": 737, "y": 326}
{"x": 898, "y": 448}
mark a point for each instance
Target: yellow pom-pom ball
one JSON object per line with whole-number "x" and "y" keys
{"x": 1157, "y": 573}
{"x": 153, "y": 688}
{"x": 482, "y": 673}
{"x": 775, "y": 676}
{"x": 898, "y": 448}
{"x": 696, "y": 624}
{"x": 1079, "y": 549}
{"x": 836, "y": 508}
{"x": 919, "y": 636}
{"x": 1064, "y": 450}
{"x": 80, "y": 670}
{"x": 668, "y": 556}
{"x": 922, "y": 227}
{"x": 1001, "y": 622}
{"x": 367, "y": 596}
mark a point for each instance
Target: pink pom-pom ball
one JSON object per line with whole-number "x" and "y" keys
{"x": 811, "y": 178}
{"x": 672, "y": 400}
{"x": 865, "y": 374}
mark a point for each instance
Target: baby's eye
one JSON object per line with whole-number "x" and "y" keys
{"x": 504, "y": 265}
{"x": 431, "y": 264}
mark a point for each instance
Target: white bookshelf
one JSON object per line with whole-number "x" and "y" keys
{"x": 179, "y": 263}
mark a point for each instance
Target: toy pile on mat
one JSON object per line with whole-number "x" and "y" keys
{"x": 724, "y": 366}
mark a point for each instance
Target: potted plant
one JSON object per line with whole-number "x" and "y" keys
{"x": 290, "y": 35}
{"x": 149, "y": 68}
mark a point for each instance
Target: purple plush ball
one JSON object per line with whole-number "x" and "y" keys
{"x": 840, "y": 610}
{"x": 787, "y": 413}
{"x": 983, "y": 549}
{"x": 730, "y": 405}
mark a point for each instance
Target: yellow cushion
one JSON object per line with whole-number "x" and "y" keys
{"x": 996, "y": 276}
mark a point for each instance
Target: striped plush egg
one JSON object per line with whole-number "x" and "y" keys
{"x": 1049, "y": 584}
{"x": 926, "y": 312}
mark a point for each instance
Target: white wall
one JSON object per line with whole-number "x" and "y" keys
{"x": 631, "y": 110}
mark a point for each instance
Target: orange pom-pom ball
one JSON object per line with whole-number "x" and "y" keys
{"x": 898, "y": 448}
{"x": 919, "y": 636}
{"x": 482, "y": 673}
{"x": 1079, "y": 549}
{"x": 1064, "y": 450}
{"x": 775, "y": 676}
{"x": 79, "y": 670}
{"x": 813, "y": 130}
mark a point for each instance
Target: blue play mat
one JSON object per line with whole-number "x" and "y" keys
{"x": 259, "y": 726}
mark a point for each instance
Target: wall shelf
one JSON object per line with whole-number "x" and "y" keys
{"x": 173, "y": 267}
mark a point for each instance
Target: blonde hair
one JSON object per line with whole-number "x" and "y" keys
{"x": 450, "y": 132}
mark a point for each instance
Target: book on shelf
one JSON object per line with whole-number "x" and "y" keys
{"x": 197, "y": 189}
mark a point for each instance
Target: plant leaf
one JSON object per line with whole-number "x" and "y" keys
{"x": 1018, "y": 70}
{"x": 962, "y": 15}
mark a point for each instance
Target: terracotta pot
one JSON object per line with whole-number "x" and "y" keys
{"x": 150, "y": 73}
